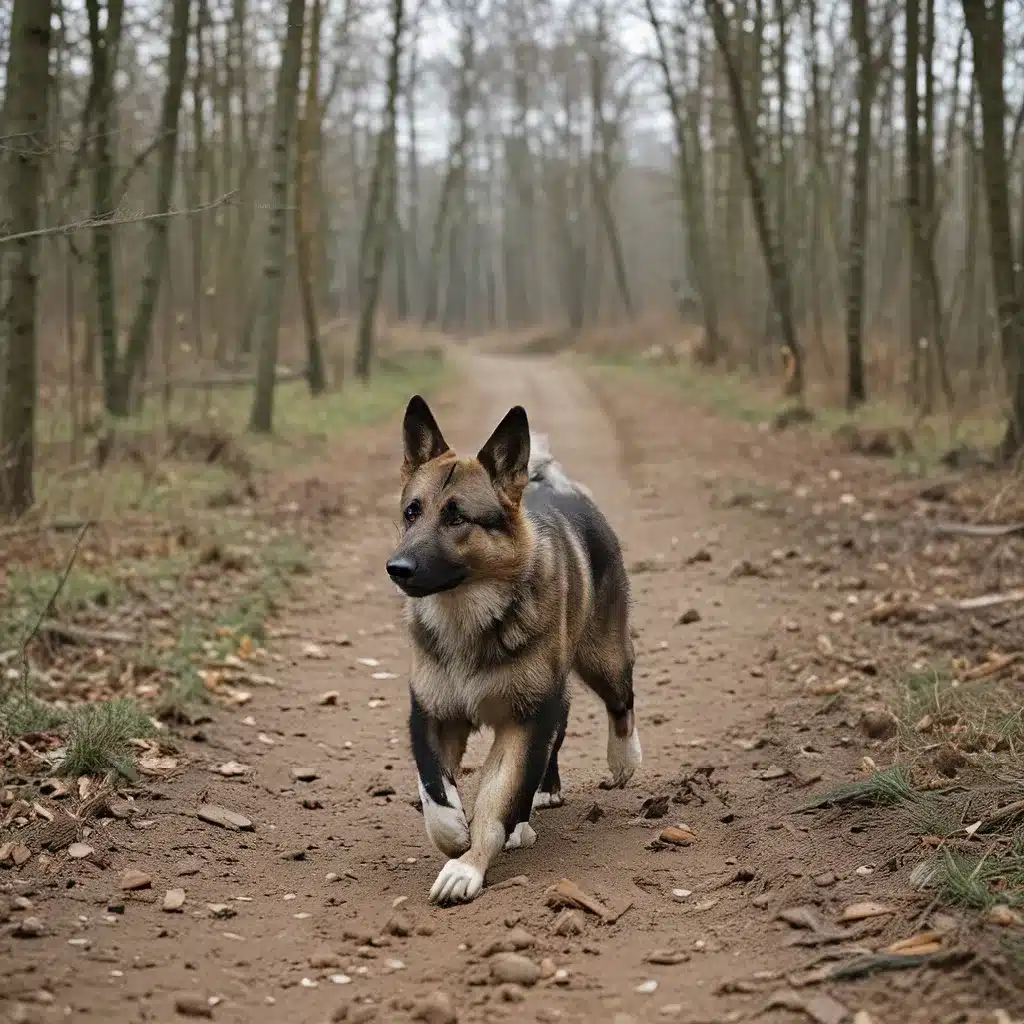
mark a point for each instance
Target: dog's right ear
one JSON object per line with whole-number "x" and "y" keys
{"x": 421, "y": 435}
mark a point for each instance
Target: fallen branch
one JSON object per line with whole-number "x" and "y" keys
{"x": 68, "y": 633}
{"x": 112, "y": 220}
{"x": 1003, "y": 814}
{"x": 990, "y": 668}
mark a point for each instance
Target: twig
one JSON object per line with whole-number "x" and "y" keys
{"x": 969, "y": 604}
{"x": 1009, "y": 811}
{"x": 47, "y": 608}
{"x": 93, "y": 223}
{"x": 978, "y": 529}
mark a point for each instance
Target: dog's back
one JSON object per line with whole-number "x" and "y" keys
{"x": 552, "y": 495}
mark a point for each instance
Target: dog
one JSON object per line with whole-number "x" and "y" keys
{"x": 513, "y": 578}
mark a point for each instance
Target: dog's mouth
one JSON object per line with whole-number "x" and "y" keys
{"x": 427, "y": 588}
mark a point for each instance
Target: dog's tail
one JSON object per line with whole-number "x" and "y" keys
{"x": 544, "y": 468}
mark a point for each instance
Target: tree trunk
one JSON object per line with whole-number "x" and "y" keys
{"x": 104, "y": 45}
{"x": 308, "y": 153}
{"x": 261, "y": 419}
{"x": 771, "y": 246}
{"x": 988, "y": 29}
{"x": 689, "y": 161}
{"x": 856, "y": 393}
{"x": 380, "y": 203}
{"x": 156, "y": 247}
{"x": 23, "y": 155}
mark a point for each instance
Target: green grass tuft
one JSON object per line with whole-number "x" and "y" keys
{"x": 23, "y": 713}
{"x": 98, "y": 736}
{"x": 884, "y": 788}
{"x": 979, "y": 881}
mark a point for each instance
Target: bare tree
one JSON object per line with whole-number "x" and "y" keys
{"x": 380, "y": 202}
{"x": 308, "y": 148}
{"x": 986, "y": 23}
{"x": 771, "y": 245}
{"x": 156, "y": 255}
{"x": 104, "y": 43}
{"x": 25, "y": 118}
{"x": 261, "y": 419}
{"x": 861, "y": 31}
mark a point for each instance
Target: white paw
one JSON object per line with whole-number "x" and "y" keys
{"x": 624, "y": 756}
{"x": 447, "y": 827}
{"x": 542, "y": 800}
{"x": 522, "y": 837}
{"x": 458, "y": 882}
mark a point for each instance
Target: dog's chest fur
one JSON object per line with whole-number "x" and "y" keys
{"x": 488, "y": 650}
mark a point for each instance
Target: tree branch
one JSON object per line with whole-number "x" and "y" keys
{"x": 92, "y": 223}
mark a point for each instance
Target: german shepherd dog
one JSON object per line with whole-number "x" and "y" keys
{"x": 513, "y": 578}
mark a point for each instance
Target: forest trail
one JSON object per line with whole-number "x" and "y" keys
{"x": 321, "y": 913}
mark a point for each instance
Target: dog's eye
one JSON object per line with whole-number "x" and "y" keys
{"x": 412, "y": 511}
{"x": 455, "y": 519}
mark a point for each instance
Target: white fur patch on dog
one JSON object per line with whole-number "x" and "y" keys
{"x": 522, "y": 836}
{"x": 624, "y": 756}
{"x": 458, "y": 882}
{"x": 447, "y": 827}
{"x": 542, "y": 800}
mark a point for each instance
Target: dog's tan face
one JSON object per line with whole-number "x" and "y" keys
{"x": 461, "y": 517}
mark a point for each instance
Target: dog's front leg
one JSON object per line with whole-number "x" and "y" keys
{"x": 437, "y": 748}
{"x": 501, "y": 817}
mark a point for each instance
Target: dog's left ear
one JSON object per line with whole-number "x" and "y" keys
{"x": 506, "y": 455}
{"x": 421, "y": 435}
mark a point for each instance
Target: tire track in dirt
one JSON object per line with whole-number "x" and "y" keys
{"x": 309, "y": 931}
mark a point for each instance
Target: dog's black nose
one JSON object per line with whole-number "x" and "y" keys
{"x": 401, "y": 568}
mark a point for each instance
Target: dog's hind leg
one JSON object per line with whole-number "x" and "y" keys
{"x": 605, "y": 663}
{"x": 550, "y": 792}
{"x": 509, "y": 778}
{"x": 437, "y": 748}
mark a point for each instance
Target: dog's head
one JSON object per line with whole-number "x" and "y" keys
{"x": 461, "y": 517}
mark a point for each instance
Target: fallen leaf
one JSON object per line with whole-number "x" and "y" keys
{"x": 862, "y": 911}
{"x": 803, "y": 917}
{"x": 821, "y": 1008}
{"x": 157, "y": 766}
{"x": 214, "y": 814}
{"x": 917, "y": 945}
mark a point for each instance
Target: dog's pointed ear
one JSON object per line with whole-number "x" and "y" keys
{"x": 421, "y": 435}
{"x": 506, "y": 455}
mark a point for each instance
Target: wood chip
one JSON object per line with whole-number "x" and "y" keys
{"x": 214, "y": 814}
{"x": 566, "y": 893}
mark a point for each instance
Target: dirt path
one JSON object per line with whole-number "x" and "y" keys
{"x": 297, "y": 920}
